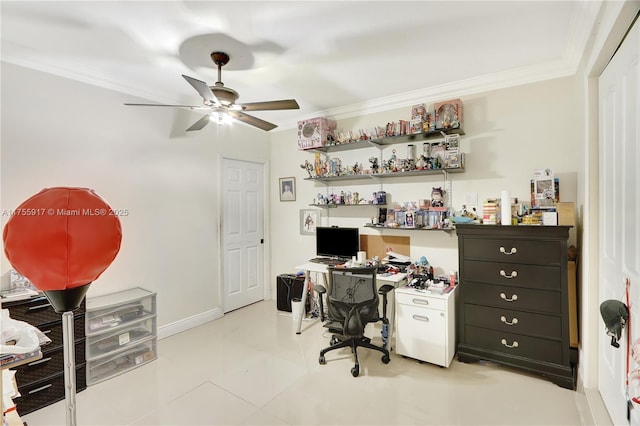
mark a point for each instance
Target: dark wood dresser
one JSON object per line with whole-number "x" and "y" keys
{"x": 41, "y": 382}
{"x": 513, "y": 304}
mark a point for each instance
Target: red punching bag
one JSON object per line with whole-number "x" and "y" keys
{"x": 62, "y": 239}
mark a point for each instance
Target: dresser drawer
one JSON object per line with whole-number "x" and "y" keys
{"x": 514, "y": 344}
{"x": 512, "y": 297}
{"x": 507, "y": 320}
{"x": 54, "y": 331}
{"x": 51, "y": 364}
{"x": 37, "y": 311}
{"x": 46, "y": 392}
{"x": 538, "y": 252}
{"x": 516, "y": 274}
{"x": 421, "y": 301}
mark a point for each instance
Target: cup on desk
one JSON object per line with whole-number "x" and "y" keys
{"x": 362, "y": 257}
{"x": 297, "y": 311}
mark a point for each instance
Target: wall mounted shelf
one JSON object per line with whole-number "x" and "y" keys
{"x": 333, "y": 206}
{"x": 388, "y": 175}
{"x": 389, "y": 140}
{"x": 403, "y": 228}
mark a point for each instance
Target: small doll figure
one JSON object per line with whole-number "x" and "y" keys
{"x": 437, "y": 197}
{"x": 374, "y": 164}
{"x": 318, "y": 164}
{"x": 308, "y": 167}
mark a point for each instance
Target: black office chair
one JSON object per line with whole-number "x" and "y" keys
{"x": 352, "y": 302}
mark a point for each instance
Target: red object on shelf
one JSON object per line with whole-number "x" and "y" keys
{"x": 62, "y": 238}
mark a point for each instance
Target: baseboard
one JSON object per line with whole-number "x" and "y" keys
{"x": 187, "y": 323}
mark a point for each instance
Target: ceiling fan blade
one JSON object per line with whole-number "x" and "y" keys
{"x": 199, "y": 124}
{"x": 254, "y": 121}
{"x": 192, "y": 107}
{"x": 271, "y": 105}
{"x": 203, "y": 89}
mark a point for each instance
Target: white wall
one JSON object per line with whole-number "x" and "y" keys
{"x": 58, "y": 132}
{"x": 509, "y": 133}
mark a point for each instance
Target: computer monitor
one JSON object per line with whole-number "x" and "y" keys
{"x": 337, "y": 242}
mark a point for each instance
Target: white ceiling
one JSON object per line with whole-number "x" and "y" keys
{"x": 335, "y": 58}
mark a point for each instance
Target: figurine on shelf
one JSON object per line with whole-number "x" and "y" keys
{"x": 308, "y": 167}
{"x": 437, "y": 197}
{"x": 374, "y": 164}
{"x": 334, "y": 167}
{"x": 393, "y": 166}
{"x": 318, "y": 164}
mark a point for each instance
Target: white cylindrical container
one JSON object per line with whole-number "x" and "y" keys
{"x": 505, "y": 208}
{"x": 411, "y": 152}
{"x": 362, "y": 257}
{"x": 297, "y": 311}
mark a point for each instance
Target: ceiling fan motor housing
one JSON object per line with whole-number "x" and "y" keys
{"x": 225, "y": 95}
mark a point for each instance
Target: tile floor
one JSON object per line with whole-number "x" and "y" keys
{"x": 249, "y": 368}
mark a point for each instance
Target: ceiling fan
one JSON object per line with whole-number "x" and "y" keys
{"x": 221, "y": 101}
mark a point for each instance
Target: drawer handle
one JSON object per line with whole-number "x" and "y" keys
{"x": 420, "y": 301}
{"x": 514, "y": 321}
{"x": 512, "y": 275}
{"x": 512, "y": 251}
{"x": 31, "y": 392}
{"x": 513, "y": 345}
{"x": 40, "y": 361}
{"x": 421, "y": 318}
{"x": 513, "y": 298}
{"x": 34, "y": 308}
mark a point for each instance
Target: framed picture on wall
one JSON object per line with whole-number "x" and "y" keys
{"x": 309, "y": 220}
{"x": 287, "y": 189}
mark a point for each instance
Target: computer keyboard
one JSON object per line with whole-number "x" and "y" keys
{"x": 331, "y": 261}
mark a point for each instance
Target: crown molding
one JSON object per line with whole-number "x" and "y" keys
{"x": 85, "y": 75}
{"x": 456, "y": 89}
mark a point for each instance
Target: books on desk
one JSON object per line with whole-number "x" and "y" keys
{"x": 14, "y": 360}
{"x": 17, "y": 294}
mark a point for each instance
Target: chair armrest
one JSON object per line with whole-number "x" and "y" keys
{"x": 319, "y": 288}
{"x": 385, "y": 289}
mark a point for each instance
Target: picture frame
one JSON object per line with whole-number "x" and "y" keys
{"x": 309, "y": 221}
{"x": 287, "y": 188}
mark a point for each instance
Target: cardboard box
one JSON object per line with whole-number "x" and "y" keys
{"x": 316, "y": 133}
{"x": 566, "y": 213}
{"x": 573, "y": 304}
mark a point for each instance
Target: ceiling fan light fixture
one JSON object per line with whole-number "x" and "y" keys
{"x": 220, "y": 117}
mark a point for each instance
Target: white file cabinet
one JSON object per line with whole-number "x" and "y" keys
{"x": 425, "y": 325}
{"x": 120, "y": 333}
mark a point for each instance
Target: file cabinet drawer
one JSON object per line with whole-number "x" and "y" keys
{"x": 421, "y": 301}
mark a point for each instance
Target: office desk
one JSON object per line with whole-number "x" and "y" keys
{"x": 381, "y": 279}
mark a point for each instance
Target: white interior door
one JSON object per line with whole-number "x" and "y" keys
{"x": 242, "y": 233}
{"x": 619, "y": 93}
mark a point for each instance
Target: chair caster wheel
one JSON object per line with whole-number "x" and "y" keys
{"x": 385, "y": 359}
{"x": 321, "y": 360}
{"x": 355, "y": 371}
